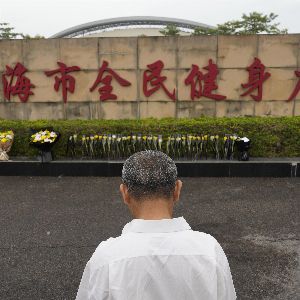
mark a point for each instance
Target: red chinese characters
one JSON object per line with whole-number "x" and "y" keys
{"x": 297, "y": 88}
{"x": 257, "y": 76}
{"x": 204, "y": 84}
{"x": 66, "y": 81}
{"x": 15, "y": 83}
{"x": 105, "y": 90}
{"x": 153, "y": 78}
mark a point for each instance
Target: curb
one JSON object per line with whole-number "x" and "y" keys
{"x": 185, "y": 168}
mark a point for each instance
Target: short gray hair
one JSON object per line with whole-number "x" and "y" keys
{"x": 149, "y": 174}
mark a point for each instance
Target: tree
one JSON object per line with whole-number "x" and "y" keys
{"x": 254, "y": 23}
{"x": 7, "y": 32}
{"x": 170, "y": 30}
{"x": 29, "y": 37}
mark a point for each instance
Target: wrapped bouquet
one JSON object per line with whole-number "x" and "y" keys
{"x": 44, "y": 140}
{"x": 6, "y": 141}
{"x": 243, "y": 146}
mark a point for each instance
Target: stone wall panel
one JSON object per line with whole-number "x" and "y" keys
{"x": 236, "y": 51}
{"x": 84, "y": 81}
{"x": 44, "y": 88}
{"x": 297, "y": 108}
{"x": 78, "y": 110}
{"x": 155, "y": 109}
{"x": 152, "y": 49}
{"x": 234, "y": 108}
{"x": 13, "y": 111}
{"x": 196, "y": 50}
{"x": 47, "y": 111}
{"x": 118, "y": 110}
{"x": 129, "y": 58}
{"x": 120, "y": 53}
{"x": 34, "y": 54}
{"x": 279, "y": 50}
{"x": 11, "y": 52}
{"x": 192, "y": 109}
{"x": 79, "y": 52}
{"x": 280, "y": 85}
{"x": 274, "y": 108}
{"x": 230, "y": 84}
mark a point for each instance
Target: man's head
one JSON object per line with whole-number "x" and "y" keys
{"x": 149, "y": 176}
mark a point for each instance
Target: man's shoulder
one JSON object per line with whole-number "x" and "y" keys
{"x": 195, "y": 242}
{"x": 112, "y": 249}
{"x": 199, "y": 235}
{"x": 126, "y": 245}
{"x": 103, "y": 252}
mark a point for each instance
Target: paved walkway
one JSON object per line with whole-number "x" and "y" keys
{"x": 49, "y": 227}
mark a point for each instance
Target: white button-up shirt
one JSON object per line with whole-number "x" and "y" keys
{"x": 158, "y": 260}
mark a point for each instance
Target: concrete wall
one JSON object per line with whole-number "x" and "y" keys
{"x": 129, "y": 58}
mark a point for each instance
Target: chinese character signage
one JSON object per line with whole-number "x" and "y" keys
{"x": 261, "y": 74}
{"x": 201, "y": 84}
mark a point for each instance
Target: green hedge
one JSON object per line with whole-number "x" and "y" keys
{"x": 271, "y": 137}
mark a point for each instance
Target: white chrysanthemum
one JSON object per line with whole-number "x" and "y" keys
{"x": 245, "y": 139}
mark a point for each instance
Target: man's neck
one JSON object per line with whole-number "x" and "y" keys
{"x": 146, "y": 210}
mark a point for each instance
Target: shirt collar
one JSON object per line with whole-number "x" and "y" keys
{"x": 164, "y": 225}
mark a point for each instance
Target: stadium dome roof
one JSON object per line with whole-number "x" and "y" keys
{"x": 82, "y": 29}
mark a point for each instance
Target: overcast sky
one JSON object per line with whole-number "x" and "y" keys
{"x": 47, "y": 17}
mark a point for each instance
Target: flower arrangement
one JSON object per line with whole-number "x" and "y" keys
{"x": 178, "y": 146}
{"x": 229, "y": 143}
{"x": 243, "y": 146}
{"x": 111, "y": 146}
{"x": 44, "y": 140}
{"x": 192, "y": 147}
{"x": 6, "y": 141}
{"x": 215, "y": 145}
{"x": 44, "y": 137}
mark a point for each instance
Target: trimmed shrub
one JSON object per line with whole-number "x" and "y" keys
{"x": 270, "y": 136}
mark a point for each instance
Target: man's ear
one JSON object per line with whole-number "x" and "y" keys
{"x": 177, "y": 190}
{"x": 124, "y": 193}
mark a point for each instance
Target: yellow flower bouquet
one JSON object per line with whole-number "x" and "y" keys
{"x": 6, "y": 141}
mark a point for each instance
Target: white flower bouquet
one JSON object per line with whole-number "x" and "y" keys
{"x": 243, "y": 146}
{"x": 44, "y": 140}
{"x": 6, "y": 141}
{"x": 44, "y": 137}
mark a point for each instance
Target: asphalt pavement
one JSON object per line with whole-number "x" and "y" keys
{"x": 50, "y": 226}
